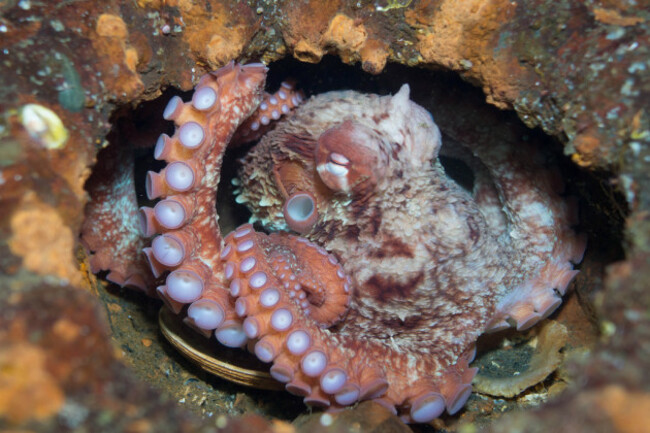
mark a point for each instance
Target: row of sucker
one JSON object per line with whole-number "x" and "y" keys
{"x": 543, "y": 229}
{"x": 188, "y": 243}
{"x": 271, "y": 109}
{"x": 266, "y": 275}
{"x": 448, "y": 391}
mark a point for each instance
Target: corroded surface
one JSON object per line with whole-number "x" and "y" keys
{"x": 58, "y": 371}
{"x": 577, "y": 69}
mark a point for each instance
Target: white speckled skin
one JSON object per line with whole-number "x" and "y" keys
{"x": 433, "y": 266}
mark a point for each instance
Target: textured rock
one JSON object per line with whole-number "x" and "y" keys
{"x": 578, "y": 70}
{"x": 59, "y": 372}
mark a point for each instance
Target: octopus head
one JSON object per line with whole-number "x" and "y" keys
{"x": 338, "y": 150}
{"x": 349, "y": 159}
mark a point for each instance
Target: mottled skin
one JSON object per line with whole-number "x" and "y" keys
{"x": 404, "y": 268}
{"x": 410, "y": 241}
{"x": 430, "y": 262}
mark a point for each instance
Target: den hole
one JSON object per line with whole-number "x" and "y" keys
{"x": 449, "y": 99}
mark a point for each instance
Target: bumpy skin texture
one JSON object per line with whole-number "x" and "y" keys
{"x": 399, "y": 270}
{"x": 432, "y": 266}
{"x": 110, "y": 232}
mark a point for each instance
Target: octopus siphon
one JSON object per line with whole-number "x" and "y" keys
{"x": 376, "y": 272}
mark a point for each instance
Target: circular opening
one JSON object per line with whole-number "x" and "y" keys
{"x": 300, "y": 207}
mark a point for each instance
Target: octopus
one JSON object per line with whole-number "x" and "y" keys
{"x": 375, "y": 271}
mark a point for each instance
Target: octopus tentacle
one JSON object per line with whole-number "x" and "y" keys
{"x": 272, "y": 108}
{"x": 189, "y": 245}
{"x": 302, "y": 271}
{"x": 327, "y": 371}
{"x": 111, "y": 222}
{"x": 270, "y": 274}
{"x": 318, "y": 277}
{"x": 505, "y": 177}
{"x": 541, "y": 232}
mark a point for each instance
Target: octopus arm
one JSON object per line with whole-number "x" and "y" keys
{"x": 110, "y": 233}
{"x": 327, "y": 369}
{"x": 190, "y": 244}
{"x": 539, "y": 230}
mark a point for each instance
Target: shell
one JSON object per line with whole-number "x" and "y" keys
{"x": 229, "y": 364}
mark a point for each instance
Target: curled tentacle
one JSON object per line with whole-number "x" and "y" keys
{"x": 431, "y": 265}
{"x": 268, "y": 276}
{"x": 110, "y": 232}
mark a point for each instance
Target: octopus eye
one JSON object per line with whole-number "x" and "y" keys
{"x": 338, "y": 164}
{"x": 300, "y": 211}
{"x": 337, "y": 158}
{"x": 348, "y": 157}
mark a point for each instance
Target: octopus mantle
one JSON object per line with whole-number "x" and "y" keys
{"x": 398, "y": 270}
